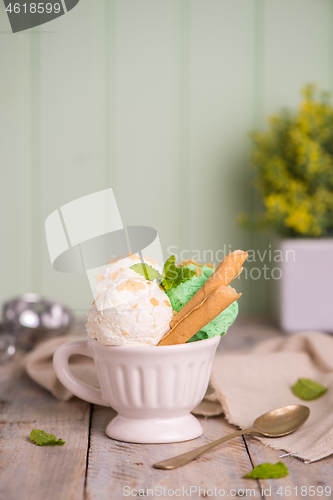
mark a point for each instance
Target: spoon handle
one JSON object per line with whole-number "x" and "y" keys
{"x": 185, "y": 458}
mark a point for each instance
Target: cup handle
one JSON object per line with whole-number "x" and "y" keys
{"x": 64, "y": 374}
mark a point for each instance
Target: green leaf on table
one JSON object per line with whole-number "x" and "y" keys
{"x": 146, "y": 271}
{"x": 174, "y": 276}
{"x": 268, "y": 471}
{"x": 307, "y": 389}
{"x": 42, "y": 438}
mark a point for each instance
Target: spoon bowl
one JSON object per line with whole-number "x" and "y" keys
{"x": 274, "y": 423}
{"x": 281, "y": 421}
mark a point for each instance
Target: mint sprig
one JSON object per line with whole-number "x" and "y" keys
{"x": 172, "y": 276}
{"x": 308, "y": 389}
{"x": 42, "y": 438}
{"x": 268, "y": 471}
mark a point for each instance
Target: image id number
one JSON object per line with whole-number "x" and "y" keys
{"x": 33, "y": 8}
{"x": 304, "y": 491}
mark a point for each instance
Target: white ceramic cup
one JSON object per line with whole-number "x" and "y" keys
{"x": 153, "y": 388}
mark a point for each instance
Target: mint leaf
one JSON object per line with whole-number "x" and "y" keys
{"x": 167, "y": 284}
{"x": 146, "y": 271}
{"x": 185, "y": 273}
{"x": 174, "y": 276}
{"x": 268, "y": 471}
{"x": 307, "y": 389}
{"x": 170, "y": 270}
{"x": 42, "y": 438}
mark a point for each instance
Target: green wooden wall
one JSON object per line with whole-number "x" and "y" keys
{"x": 155, "y": 99}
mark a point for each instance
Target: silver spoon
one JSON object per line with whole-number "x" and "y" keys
{"x": 275, "y": 423}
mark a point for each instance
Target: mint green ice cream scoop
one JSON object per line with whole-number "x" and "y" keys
{"x": 182, "y": 293}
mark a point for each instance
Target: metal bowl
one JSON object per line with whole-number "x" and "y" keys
{"x": 31, "y": 318}
{"x": 7, "y": 346}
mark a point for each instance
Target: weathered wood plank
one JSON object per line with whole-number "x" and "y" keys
{"x": 316, "y": 474}
{"x": 116, "y": 468}
{"x": 33, "y": 472}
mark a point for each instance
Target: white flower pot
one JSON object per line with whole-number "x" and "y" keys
{"x": 306, "y": 285}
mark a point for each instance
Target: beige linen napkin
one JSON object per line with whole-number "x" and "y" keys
{"x": 242, "y": 386}
{"x": 245, "y": 386}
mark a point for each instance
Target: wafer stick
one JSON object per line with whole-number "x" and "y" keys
{"x": 228, "y": 269}
{"x": 199, "y": 317}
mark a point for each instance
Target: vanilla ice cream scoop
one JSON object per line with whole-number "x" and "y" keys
{"x": 128, "y": 310}
{"x": 117, "y": 270}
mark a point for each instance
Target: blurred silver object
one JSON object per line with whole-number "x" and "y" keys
{"x": 30, "y": 319}
{"x": 7, "y": 347}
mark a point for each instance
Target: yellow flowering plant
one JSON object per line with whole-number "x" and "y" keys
{"x": 294, "y": 164}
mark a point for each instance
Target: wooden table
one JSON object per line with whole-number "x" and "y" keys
{"x": 92, "y": 466}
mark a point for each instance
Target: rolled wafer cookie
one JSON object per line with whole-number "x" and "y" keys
{"x": 228, "y": 269}
{"x": 199, "y": 317}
